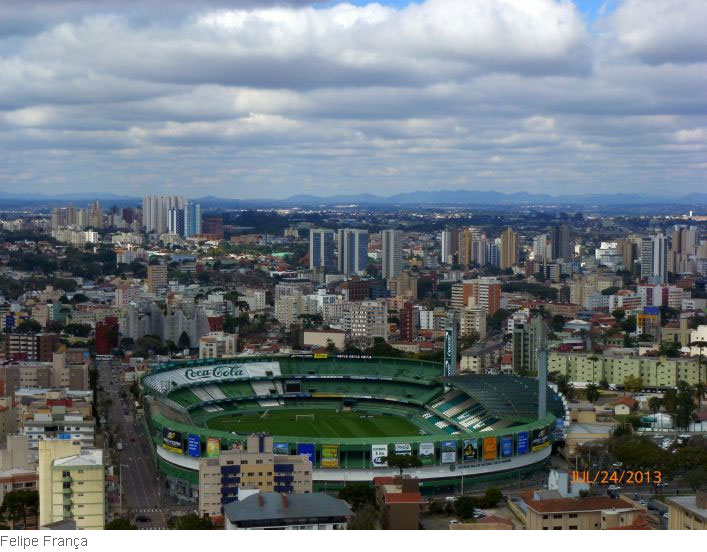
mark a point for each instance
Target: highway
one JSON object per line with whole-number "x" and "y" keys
{"x": 140, "y": 484}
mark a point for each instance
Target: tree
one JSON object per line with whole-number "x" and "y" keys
{"x": 19, "y": 505}
{"x": 592, "y": 393}
{"x": 464, "y": 506}
{"x": 29, "y": 326}
{"x": 564, "y": 386}
{"x": 610, "y": 290}
{"x": 695, "y": 478}
{"x": 120, "y": 524}
{"x": 493, "y": 496}
{"x": 79, "y": 298}
{"x": 654, "y": 404}
{"x": 699, "y": 393}
{"x": 366, "y": 519}
{"x": 685, "y": 405}
{"x": 184, "y": 341}
{"x": 557, "y": 323}
{"x": 78, "y": 330}
{"x": 604, "y": 383}
{"x": 192, "y": 522}
{"x": 403, "y": 462}
{"x": 633, "y": 384}
{"x": 358, "y": 495}
{"x": 618, "y": 314}
{"x": 669, "y": 349}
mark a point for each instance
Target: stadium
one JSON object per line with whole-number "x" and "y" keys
{"x": 348, "y": 414}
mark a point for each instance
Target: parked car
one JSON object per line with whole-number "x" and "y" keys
{"x": 143, "y": 519}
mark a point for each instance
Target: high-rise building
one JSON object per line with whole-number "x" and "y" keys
{"x": 683, "y": 244}
{"x": 449, "y": 246}
{"x": 71, "y": 484}
{"x": 654, "y": 259}
{"x": 155, "y": 212}
{"x": 156, "y": 278}
{"x": 192, "y": 219}
{"x": 528, "y": 339}
{"x": 407, "y": 326}
{"x": 540, "y": 248}
{"x": 212, "y": 225}
{"x": 353, "y": 251}
{"x": 321, "y": 249}
{"x": 509, "y": 249}
{"x": 392, "y": 253}
{"x": 561, "y": 246}
{"x": 366, "y": 319}
{"x": 176, "y": 221}
{"x": 95, "y": 215}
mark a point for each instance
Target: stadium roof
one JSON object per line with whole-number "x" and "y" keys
{"x": 506, "y": 396}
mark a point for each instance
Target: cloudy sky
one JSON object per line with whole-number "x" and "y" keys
{"x": 259, "y": 98}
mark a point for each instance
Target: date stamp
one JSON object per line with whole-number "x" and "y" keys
{"x": 618, "y": 477}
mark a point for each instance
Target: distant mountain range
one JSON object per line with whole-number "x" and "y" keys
{"x": 439, "y": 198}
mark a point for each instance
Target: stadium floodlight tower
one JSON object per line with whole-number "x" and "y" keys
{"x": 542, "y": 383}
{"x": 450, "y": 346}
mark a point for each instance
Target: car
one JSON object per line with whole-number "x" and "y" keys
{"x": 665, "y": 515}
{"x": 614, "y": 488}
{"x": 132, "y": 439}
{"x": 450, "y": 499}
{"x": 663, "y": 484}
{"x": 479, "y": 516}
{"x": 143, "y": 519}
{"x": 454, "y": 521}
{"x": 617, "y": 464}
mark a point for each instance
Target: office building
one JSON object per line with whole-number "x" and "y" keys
{"x": 176, "y": 221}
{"x": 654, "y": 259}
{"x": 258, "y": 467}
{"x": 321, "y": 249}
{"x": 392, "y": 253}
{"x": 212, "y": 226}
{"x": 561, "y": 245}
{"x": 155, "y": 212}
{"x": 156, "y": 278}
{"x": 353, "y": 252}
{"x": 30, "y": 347}
{"x": 71, "y": 484}
{"x": 509, "y": 249}
{"x": 449, "y": 242}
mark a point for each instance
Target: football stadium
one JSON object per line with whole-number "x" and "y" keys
{"x": 348, "y": 414}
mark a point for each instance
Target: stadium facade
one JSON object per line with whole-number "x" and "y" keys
{"x": 348, "y": 414}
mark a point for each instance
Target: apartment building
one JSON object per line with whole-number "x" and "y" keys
{"x": 261, "y": 466}
{"x": 218, "y": 345}
{"x": 688, "y": 512}
{"x": 368, "y": 319}
{"x": 71, "y": 484}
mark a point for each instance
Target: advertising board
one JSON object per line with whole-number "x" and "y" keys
{"x": 540, "y": 439}
{"x": 193, "y": 445}
{"x": 426, "y": 453}
{"x": 490, "y": 452}
{"x": 403, "y": 449}
{"x": 506, "y": 446}
{"x": 523, "y": 442}
{"x": 213, "y": 447}
{"x": 172, "y": 441}
{"x": 281, "y": 448}
{"x": 448, "y": 452}
{"x": 306, "y": 449}
{"x": 470, "y": 450}
{"x": 330, "y": 456}
{"x": 379, "y": 455}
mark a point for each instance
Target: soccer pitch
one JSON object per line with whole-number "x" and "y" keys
{"x": 325, "y": 423}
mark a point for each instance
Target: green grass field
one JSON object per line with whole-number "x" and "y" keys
{"x": 326, "y": 423}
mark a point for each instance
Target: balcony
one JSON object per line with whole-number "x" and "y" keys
{"x": 66, "y": 479}
{"x": 67, "y": 501}
{"x": 66, "y": 491}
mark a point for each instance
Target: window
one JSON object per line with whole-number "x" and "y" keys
{"x": 573, "y": 527}
{"x": 229, "y": 462}
{"x": 573, "y": 516}
{"x": 557, "y": 528}
{"x": 556, "y": 516}
{"x": 545, "y": 516}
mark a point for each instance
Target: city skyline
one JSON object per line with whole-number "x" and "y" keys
{"x": 326, "y": 99}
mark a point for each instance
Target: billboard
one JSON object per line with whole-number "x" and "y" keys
{"x": 172, "y": 441}
{"x": 330, "y": 456}
{"x": 470, "y": 450}
{"x": 320, "y": 355}
{"x": 403, "y": 449}
{"x": 193, "y": 445}
{"x": 281, "y": 448}
{"x": 65, "y": 436}
{"x": 540, "y": 439}
{"x": 450, "y": 348}
{"x": 379, "y": 455}
{"x": 448, "y": 452}
{"x": 306, "y": 449}
{"x": 213, "y": 447}
{"x": 426, "y": 453}
{"x": 490, "y": 452}
{"x": 523, "y": 442}
{"x": 506, "y": 446}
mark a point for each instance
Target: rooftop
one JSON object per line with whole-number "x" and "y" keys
{"x": 277, "y": 507}
{"x": 689, "y": 503}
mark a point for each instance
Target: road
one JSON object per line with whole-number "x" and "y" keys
{"x": 140, "y": 484}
